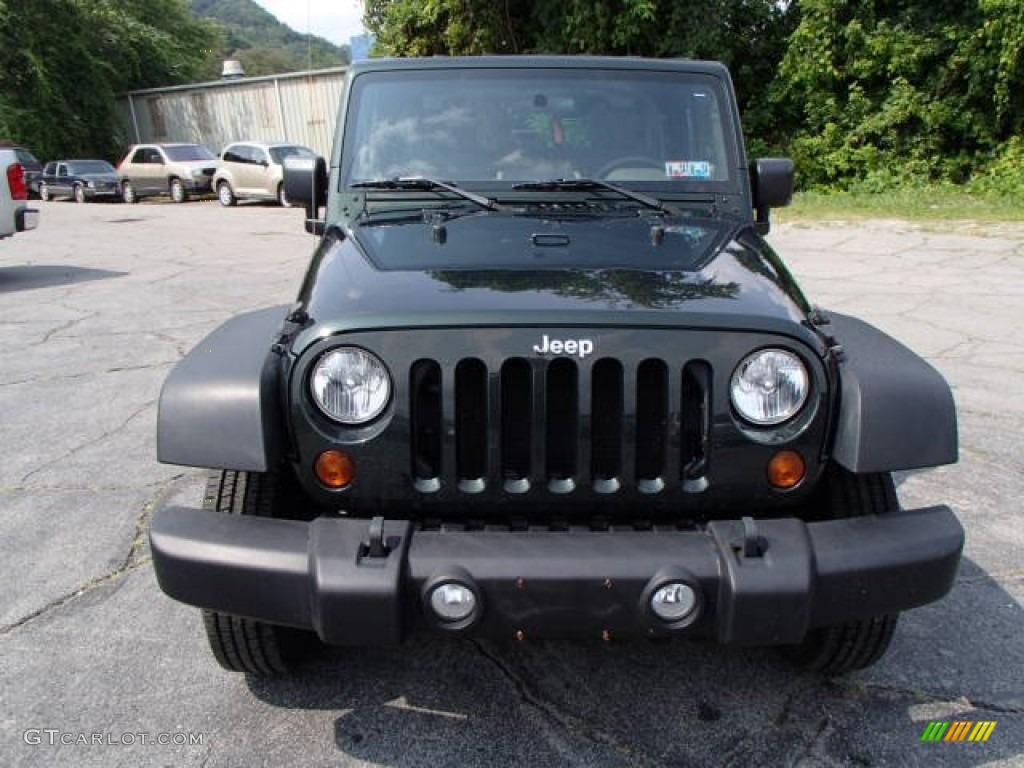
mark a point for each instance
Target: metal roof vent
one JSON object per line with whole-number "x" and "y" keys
{"x": 232, "y": 69}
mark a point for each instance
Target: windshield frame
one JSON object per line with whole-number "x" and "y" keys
{"x": 729, "y": 145}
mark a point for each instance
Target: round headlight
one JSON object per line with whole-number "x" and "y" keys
{"x": 350, "y": 385}
{"x": 769, "y": 387}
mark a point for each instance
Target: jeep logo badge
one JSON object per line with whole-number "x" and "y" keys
{"x": 579, "y": 347}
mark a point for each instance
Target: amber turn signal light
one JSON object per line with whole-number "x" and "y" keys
{"x": 335, "y": 469}
{"x": 786, "y": 469}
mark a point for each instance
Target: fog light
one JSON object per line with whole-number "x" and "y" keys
{"x": 673, "y": 602}
{"x": 453, "y": 602}
{"x": 335, "y": 469}
{"x": 786, "y": 469}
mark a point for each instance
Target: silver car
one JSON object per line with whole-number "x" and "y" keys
{"x": 176, "y": 170}
{"x": 253, "y": 170}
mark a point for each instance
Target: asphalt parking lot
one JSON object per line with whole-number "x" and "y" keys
{"x": 98, "y": 666}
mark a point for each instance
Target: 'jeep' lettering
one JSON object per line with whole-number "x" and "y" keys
{"x": 579, "y": 347}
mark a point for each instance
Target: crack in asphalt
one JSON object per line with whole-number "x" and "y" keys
{"x": 991, "y": 577}
{"x": 58, "y": 602}
{"x": 563, "y": 721}
{"x": 87, "y": 374}
{"x": 817, "y": 743}
{"x": 84, "y": 315}
{"x": 132, "y": 560}
{"x": 924, "y": 696}
{"x": 91, "y": 442}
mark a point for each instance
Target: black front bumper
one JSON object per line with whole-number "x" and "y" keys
{"x": 764, "y": 583}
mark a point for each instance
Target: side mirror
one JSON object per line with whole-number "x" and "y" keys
{"x": 305, "y": 182}
{"x": 771, "y": 183}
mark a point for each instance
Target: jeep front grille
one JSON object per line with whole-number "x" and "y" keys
{"x": 560, "y": 424}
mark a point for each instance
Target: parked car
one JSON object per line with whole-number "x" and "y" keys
{"x": 15, "y": 215}
{"x": 79, "y": 180}
{"x": 254, "y": 170}
{"x": 176, "y": 170}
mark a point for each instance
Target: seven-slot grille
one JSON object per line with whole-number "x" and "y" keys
{"x": 561, "y": 423}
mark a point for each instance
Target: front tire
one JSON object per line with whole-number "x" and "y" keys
{"x": 226, "y": 195}
{"x": 855, "y": 644}
{"x": 177, "y": 191}
{"x": 240, "y": 644}
{"x": 282, "y": 198}
{"x": 128, "y": 193}
{"x": 79, "y": 193}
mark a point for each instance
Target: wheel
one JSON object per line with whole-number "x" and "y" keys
{"x": 79, "y": 193}
{"x": 44, "y": 191}
{"x": 635, "y": 161}
{"x": 855, "y": 644}
{"x": 128, "y": 193}
{"x": 282, "y": 198}
{"x": 240, "y": 644}
{"x": 178, "y": 193}
{"x": 225, "y": 194}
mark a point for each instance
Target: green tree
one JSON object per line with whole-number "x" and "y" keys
{"x": 900, "y": 91}
{"x": 63, "y": 63}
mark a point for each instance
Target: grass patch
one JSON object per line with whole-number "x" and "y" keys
{"x": 939, "y": 202}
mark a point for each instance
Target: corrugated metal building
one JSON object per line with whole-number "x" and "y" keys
{"x": 299, "y": 107}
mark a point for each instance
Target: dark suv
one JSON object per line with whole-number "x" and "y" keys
{"x": 545, "y": 378}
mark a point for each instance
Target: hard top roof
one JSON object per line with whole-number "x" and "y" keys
{"x": 714, "y": 68}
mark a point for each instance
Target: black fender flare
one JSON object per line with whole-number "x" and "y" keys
{"x": 220, "y": 404}
{"x": 895, "y": 410}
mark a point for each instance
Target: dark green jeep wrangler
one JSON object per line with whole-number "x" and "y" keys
{"x": 545, "y": 379}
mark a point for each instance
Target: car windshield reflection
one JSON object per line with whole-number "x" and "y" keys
{"x": 497, "y": 125}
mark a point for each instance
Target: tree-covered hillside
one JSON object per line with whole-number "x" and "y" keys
{"x": 264, "y": 45}
{"x": 64, "y": 62}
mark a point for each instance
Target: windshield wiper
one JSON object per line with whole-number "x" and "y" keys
{"x": 422, "y": 182}
{"x": 570, "y": 185}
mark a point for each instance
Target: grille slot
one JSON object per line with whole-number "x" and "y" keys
{"x": 561, "y": 423}
{"x": 695, "y": 410}
{"x": 562, "y": 394}
{"x": 651, "y": 425}
{"x": 471, "y": 425}
{"x": 516, "y": 424}
{"x": 426, "y": 425}
{"x": 606, "y": 425}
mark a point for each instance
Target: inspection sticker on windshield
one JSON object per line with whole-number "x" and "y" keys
{"x": 688, "y": 169}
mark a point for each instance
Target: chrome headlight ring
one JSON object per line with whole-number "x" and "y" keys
{"x": 350, "y": 385}
{"x": 769, "y": 387}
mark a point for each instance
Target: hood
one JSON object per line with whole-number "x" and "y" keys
{"x": 511, "y": 270}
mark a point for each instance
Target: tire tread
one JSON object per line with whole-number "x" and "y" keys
{"x": 241, "y": 644}
{"x": 855, "y": 644}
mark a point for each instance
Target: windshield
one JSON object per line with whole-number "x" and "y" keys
{"x": 519, "y": 125}
{"x": 187, "y": 152}
{"x": 91, "y": 166}
{"x": 278, "y": 154}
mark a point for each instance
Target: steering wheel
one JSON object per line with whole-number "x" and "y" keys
{"x": 628, "y": 161}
